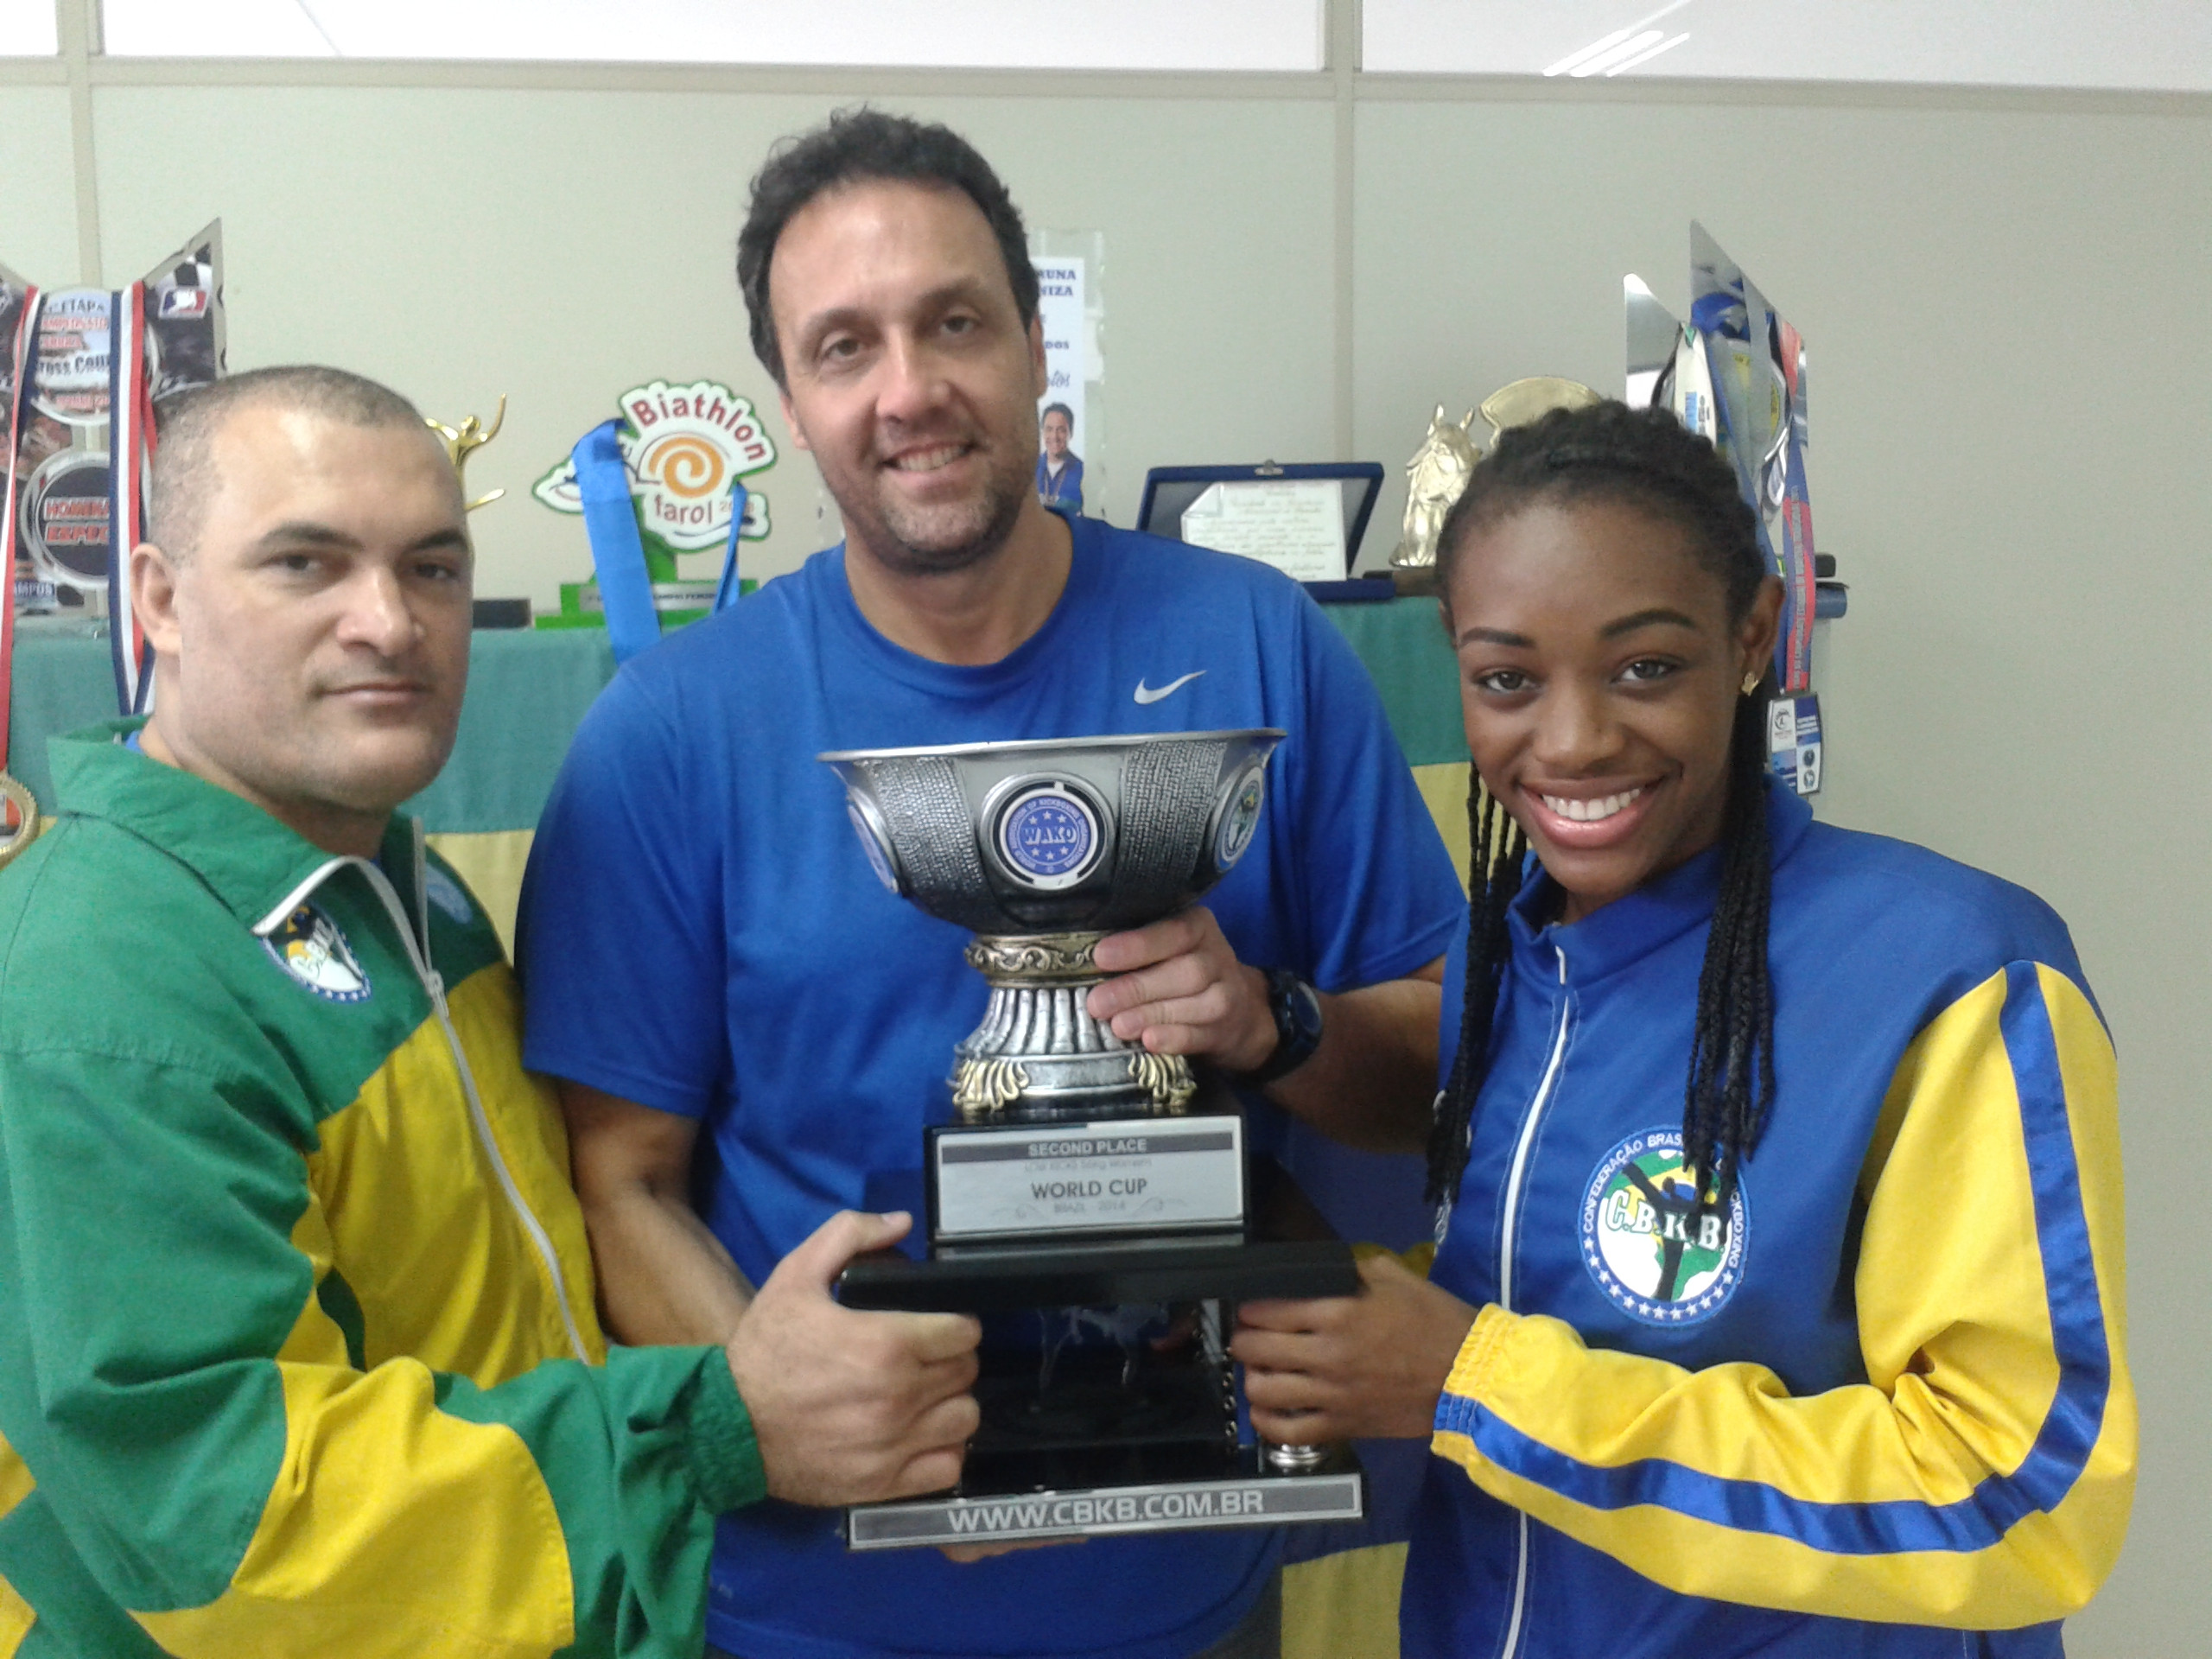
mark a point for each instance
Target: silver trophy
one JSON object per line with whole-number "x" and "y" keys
{"x": 1085, "y": 1185}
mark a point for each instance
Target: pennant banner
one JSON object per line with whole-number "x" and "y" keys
{"x": 22, "y": 353}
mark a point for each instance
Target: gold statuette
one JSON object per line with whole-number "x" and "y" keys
{"x": 463, "y": 441}
{"x": 1438, "y": 474}
{"x": 1435, "y": 476}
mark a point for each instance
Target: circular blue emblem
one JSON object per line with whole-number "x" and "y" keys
{"x": 1049, "y": 837}
{"x": 1240, "y": 816}
{"x": 1657, "y": 1245}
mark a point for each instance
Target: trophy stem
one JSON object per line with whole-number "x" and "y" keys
{"x": 1039, "y": 1056}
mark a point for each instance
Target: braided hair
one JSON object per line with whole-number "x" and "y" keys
{"x": 1642, "y": 459}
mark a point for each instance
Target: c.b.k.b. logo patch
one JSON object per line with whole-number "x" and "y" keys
{"x": 1659, "y": 1247}
{"x": 310, "y": 947}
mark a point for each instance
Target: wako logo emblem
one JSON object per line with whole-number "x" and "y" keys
{"x": 310, "y": 947}
{"x": 1240, "y": 818}
{"x": 1663, "y": 1252}
{"x": 1048, "y": 836}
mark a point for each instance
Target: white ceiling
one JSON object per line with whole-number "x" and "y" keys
{"x": 26, "y": 28}
{"x": 1278, "y": 35}
{"x": 2132, "y": 44}
{"x": 2136, "y": 45}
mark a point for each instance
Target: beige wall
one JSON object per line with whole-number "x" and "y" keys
{"x": 2005, "y": 298}
{"x": 561, "y": 246}
{"x": 38, "y": 193}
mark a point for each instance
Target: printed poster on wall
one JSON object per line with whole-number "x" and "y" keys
{"x": 1063, "y": 429}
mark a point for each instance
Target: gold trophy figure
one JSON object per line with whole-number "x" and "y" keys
{"x": 1438, "y": 474}
{"x": 463, "y": 441}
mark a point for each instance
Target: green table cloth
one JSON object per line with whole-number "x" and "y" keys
{"x": 528, "y": 689}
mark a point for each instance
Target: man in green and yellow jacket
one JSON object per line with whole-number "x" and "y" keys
{"x": 298, "y": 1347}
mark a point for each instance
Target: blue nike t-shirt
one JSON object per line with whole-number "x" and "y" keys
{"x": 700, "y": 933}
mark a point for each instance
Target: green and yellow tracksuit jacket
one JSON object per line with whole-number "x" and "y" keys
{"x": 297, "y": 1348}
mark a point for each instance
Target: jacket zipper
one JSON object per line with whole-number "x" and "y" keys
{"x": 434, "y": 985}
{"x": 1512, "y": 1221}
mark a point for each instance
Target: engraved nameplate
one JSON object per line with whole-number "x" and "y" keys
{"x": 1174, "y": 1506}
{"x": 1129, "y": 1174}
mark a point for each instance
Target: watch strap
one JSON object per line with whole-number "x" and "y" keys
{"x": 1297, "y": 1010}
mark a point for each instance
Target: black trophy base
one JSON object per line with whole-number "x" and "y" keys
{"x": 1108, "y": 1396}
{"x": 1236, "y": 1489}
{"x": 997, "y": 1279}
{"x": 1138, "y": 1435}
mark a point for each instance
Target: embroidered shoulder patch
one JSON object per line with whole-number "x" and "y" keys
{"x": 311, "y": 949}
{"x": 448, "y": 895}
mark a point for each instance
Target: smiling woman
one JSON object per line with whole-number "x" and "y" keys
{"x": 1613, "y": 619}
{"x": 1712, "y": 1358}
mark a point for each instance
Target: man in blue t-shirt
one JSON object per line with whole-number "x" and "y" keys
{"x": 741, "y": 1014}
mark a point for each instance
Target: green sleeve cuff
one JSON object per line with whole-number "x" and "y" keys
{"x": 726, "y": 1467}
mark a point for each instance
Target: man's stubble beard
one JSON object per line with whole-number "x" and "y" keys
{"x": 912, "y": 550}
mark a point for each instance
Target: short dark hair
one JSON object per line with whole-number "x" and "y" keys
{"x": 859, "y": 145}
{"x": 1061, "y": 409}
{"x": 183, "y": 479}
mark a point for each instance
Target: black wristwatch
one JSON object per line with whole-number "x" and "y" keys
{"x": 1297, "y": 1009}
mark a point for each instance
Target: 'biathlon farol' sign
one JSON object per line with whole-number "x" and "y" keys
{"x": 683, "y": 447}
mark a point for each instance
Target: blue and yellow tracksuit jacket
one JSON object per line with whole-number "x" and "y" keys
{"x": 1881, "y": 1399}
{"x": 297, "y": 1346}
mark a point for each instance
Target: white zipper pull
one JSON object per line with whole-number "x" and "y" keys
{"x": 436, "y": 982}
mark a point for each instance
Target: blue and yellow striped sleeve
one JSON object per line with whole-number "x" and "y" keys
{"x": 1980, "y": 1477}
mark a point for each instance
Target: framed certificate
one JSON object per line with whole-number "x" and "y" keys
{"x": 1306, "y": 519}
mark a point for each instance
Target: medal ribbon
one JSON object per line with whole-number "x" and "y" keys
{"x": 130, "y": 440}
{"x": 1796, "y": 521}
{"x": 24, "y": 355}
{"x": 618, "y": 552}
{"x": 725, "y": 590}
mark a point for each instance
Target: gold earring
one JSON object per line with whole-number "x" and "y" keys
{"x": 1751, "y": 682}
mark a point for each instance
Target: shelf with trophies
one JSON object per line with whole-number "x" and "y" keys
{"x": 1091, "y": 1201}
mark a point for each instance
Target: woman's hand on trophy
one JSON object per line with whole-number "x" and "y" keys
{"x": 1180, "y": 989}
{"x": 1373, "y": 1364}
{"x": 852, "y": 1406}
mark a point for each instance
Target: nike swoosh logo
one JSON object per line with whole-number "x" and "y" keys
{"x": 1146, "y": 694}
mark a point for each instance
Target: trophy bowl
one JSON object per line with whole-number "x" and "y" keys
{"x": 1041, "y": 849}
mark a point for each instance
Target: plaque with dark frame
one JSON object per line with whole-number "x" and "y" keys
{"x": 1169, "y": 491}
